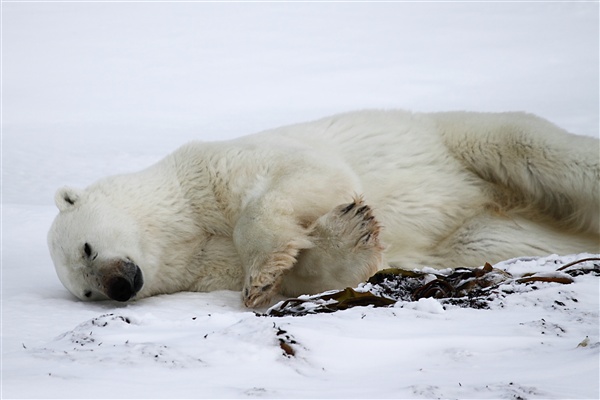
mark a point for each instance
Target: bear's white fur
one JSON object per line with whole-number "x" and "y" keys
{"x": 323, "y": 205}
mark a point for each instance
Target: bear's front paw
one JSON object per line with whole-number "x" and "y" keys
{"x": 261, "y": 285}
{"x": 258, "y": 296}
{"x": 263, "y": 279}
{"x": 260, "y": 288}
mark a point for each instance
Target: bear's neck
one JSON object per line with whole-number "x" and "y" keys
{"x": 204, "y": 188}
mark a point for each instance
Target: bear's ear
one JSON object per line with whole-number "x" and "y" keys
{"x": 66, "y": 198}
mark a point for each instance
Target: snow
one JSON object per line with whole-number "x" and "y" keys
{"x": 98, "y": 88}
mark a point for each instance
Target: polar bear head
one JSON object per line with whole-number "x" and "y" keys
{"x": 95, "y": 247}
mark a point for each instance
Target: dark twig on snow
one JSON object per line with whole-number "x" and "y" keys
{"x": 578, "y": 262}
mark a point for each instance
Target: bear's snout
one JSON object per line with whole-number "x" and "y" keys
{"x": 125, "y": 282}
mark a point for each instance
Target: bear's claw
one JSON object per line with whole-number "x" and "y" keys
{"x": 261, "y": 288}
{"x": 258, "y": 296}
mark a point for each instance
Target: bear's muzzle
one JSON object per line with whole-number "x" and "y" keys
{"x": 124, "y": 281}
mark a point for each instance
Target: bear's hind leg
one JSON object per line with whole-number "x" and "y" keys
{"x": 346, "y": 252}
{"x": 555, "y": 173}
{"x": 491, "y": 237}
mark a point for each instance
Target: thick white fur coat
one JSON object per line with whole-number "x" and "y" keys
{"x": 324, "y": 204}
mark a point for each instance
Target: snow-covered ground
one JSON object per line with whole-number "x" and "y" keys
{"x": 92, "y": 89}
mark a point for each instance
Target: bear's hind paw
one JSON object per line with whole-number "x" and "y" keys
{"x": 356, "y": 225}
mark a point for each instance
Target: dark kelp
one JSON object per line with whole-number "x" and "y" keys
{"x": 463, "y": 287}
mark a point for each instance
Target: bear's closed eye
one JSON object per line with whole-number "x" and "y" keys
{"x": 87, "y": 249}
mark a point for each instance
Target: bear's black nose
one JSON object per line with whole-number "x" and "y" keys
{"x": 125, "y": 286}
{"x": 120, "y": 289}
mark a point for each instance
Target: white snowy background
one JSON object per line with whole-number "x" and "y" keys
{"x": 91, "y": 89}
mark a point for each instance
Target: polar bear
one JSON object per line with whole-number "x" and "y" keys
{"x": 325, "y": 204}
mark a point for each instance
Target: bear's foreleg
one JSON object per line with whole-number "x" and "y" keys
{"x": 276, "y": 217}
{"x": 268, "y": 239}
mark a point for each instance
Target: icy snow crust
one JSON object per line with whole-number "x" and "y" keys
{"x": 92, "y": 89}
{"x": 528, "y": 345}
